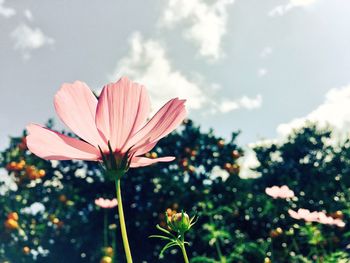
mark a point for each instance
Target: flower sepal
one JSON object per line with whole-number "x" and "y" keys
{"x": 180, "y": 222}
{"x": 115, "y": 164}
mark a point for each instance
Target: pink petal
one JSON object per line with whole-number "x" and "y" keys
{"x": 99, "y": 202}
{"x": 143, "y": 161}
{"x": 76, "y": 106}
{"x": 163, "y": 122}
{"x": 312, "y": 217}
{"x": 113, "y": 203}
{"x": 293, "y": 214}
{"x": 144, "y": 149}
{"x": 122, "y": 109}
{"x": 51, "y": 145}
{"x": 339, "y": 222}
{"x": 272, "y": 191}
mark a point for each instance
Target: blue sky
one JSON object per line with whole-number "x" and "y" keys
{"x": 262, "y": 67}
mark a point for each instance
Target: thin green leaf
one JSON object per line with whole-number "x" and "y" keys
{"x": 169, "y": 245}
{"x": 165, "y": 231}
{"x": 161, "y": 237}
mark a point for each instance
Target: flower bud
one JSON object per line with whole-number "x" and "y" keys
{"x": 180, "y": 222}
{"x": 26, "y": 250}
{"x": 11, "y": 224}
{"x": 13, "y": 215}
{"x": 112, "y": 227}
{"x": 106, "y": 259}
{"x": 108, "y": 251}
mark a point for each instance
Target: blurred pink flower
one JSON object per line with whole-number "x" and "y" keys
{"x": 117, "y": 118}
{"x": 279, "y": 192}
{"x": 338, "y": 222}
{"x": 324, "y": 219}
{"x": 106, "y": 203}
{"x": 319, "y": 217}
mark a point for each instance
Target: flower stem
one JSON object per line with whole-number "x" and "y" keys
{"x": 122, "y": 222}
{"x": 217, "y": 241}
{"x": 183, "y": 249}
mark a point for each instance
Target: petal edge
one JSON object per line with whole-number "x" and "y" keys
{"x": 51, "y": 145}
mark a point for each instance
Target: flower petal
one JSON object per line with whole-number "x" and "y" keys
{"x": 51, "y": 145}
{"x": 144, "y": 149}
{"x": 143, "y": 161}
{"x": 293, "y": 214}
{"x": 122, "y": 109}
{"x": 76, "y": 106}
{"x": 163, "y": 122}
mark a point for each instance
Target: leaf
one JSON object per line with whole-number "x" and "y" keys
{"x": 161, "y": 237}
{"x": 202, "y": 260}
{"x": 165, "y": 231}
{"x": 169, "y": 245}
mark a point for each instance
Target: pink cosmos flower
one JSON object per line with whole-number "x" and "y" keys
{"x": 279, "y": 192}
{"x": 106, "y": 203}
{"x": 116, "y": 122}
{"x": 319, "y": 217}
{"x": 338, "y": 222}
{"x": 324, "y": 219}
{"x": 304, "y": 214}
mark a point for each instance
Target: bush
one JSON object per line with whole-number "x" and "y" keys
{"x": 58, "y": 221}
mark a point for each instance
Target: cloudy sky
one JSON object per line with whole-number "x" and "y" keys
{"x": 262, "y": 67}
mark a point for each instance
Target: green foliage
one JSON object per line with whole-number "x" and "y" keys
{"x": 237, "y": 222}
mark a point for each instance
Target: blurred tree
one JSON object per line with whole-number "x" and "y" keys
{"x": 314, "y": 164}
{"x": 51, "y": 217}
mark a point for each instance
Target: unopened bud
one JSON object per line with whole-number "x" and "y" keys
{"x": 26, "y": 250}
{"x": 108, "y": 251}
{"x": 106, "y": 259}
{"x": 180, "y": 222}
{"x": 11, "y": 224}
{"x": 13, "y": 215}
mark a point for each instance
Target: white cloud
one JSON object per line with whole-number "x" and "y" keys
{"x": 242, "y": 103}
{"x": 28, "y": 14}
{"x": 7, "y": 182}
{"x": 228, "y": 105}
{"x": 247, "y": 164}
{"x": 263, "y": 143}
{"x": 334, "y": 110}
{"x": 302, "y": 2}
{"x": 27, "y": 39}
{"x": 250, "y": 161}
{"x": 218, "y": 172}
{"x": 205, "y": 23}
{"x": 266, "y": 52}
{"x": 148, "y": 64}
{"x": 262, "y": 72}
{"x": 250, "y": 103}
{"x": 280, "y": 10}
{"x": 6, "y": 12}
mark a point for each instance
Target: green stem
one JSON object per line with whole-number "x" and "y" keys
{"x": 105, "y": 238}
{"x": 297, "y": 250}
{"x": 217, "y": 241}
{"x": 183, "y": 249}
{"x": 221, "y": 257}
{"x": 122, "y": 222}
